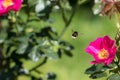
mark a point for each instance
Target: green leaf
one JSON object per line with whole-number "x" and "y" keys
{"x": 91, "y": 70}
{"x": 97, "y": 71}
{"x": 32, "y": 3}
{"x": 114, "y": 77}
{"x": 68, "y": 53}
{"x": 12, "y": 49}
{"x": 3, "y": 35}
{"x": 51, "y": 54}
{"x": 51, "y": 51}
{"x": 34, "y": 54}
{"x": 22, "y": 39}
{"x": 22, "y": 48}
{"x": 96, "y": 68}
{"x": 98, "y": 75}
{"x": 22, "y": 44}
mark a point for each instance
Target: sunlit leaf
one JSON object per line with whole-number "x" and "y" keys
{"x": 34, "y": 55}
{"x": 22, "y": 47}
{"x": 97, "y": 7}
{"x": 32, "y": 3}
{"x": 40, "y": 6}
{"x": 3, "y": 35}
{"x": 23, "y": 44}
{"x": 51, "y": 54}
{"x": 44, "y": 13}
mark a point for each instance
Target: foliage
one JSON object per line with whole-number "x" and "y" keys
{"x": 109, "y": 8}
{"x": 20, "y": 40}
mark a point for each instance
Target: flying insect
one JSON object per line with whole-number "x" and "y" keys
{"x": 74, "y": 34}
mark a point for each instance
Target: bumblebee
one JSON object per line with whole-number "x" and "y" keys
{"x": 74, "y": 34}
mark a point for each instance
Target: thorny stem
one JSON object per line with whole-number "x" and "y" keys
{"x": 63, "y": 13}
{"x": 67, "y": 23}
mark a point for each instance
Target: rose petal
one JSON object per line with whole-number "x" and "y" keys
{"x": 99, "y": 44}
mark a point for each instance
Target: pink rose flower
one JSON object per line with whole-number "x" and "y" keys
{"x": 7, "y": 5}
{"x": 103, "y": 50}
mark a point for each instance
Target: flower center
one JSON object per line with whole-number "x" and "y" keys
{"x": 103, "y": 54}
{"x": 7, "y": 3}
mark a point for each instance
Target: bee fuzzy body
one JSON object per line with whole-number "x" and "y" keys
{"x": 74, "y": 34}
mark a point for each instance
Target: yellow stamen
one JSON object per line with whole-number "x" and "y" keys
{"x": 103, "y": 54}
{"x": 7, "y": 3}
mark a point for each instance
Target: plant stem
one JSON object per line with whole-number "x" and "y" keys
{"x": 67, "y": 23}
{"x": 17, "y": 30}
{"x": 40, "y": 64}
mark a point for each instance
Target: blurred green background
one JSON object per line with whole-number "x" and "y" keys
{"x": 91, "y": 26}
